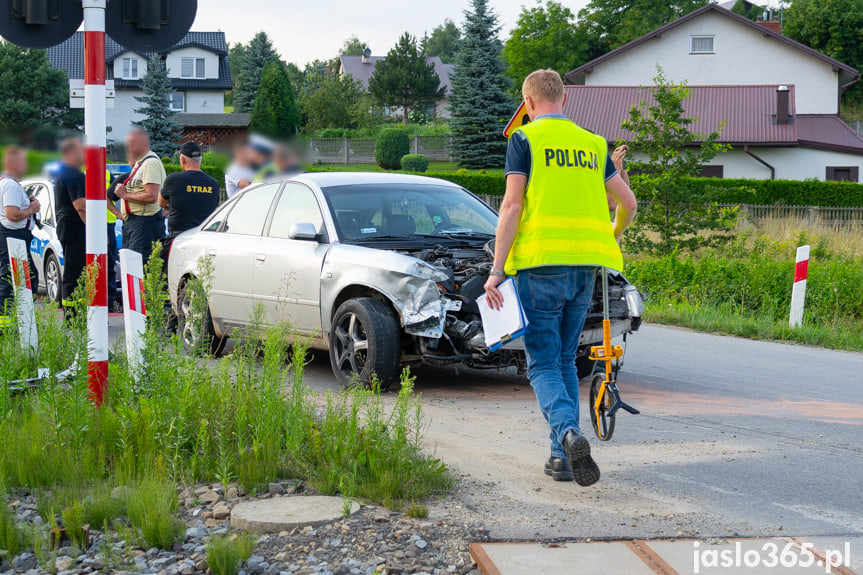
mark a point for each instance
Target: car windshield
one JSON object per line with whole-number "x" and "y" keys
{"x": 379, "y": 212}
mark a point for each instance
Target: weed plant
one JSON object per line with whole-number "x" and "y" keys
{"x": 226, "y": 553}
{"x": 182, "y": 419}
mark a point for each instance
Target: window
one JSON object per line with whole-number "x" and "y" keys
{"x": 296, "y": 206}
{"x": 701, "y": 44}
{"x": 192, "y": 68}
{"x": 178, "y": 101}
{"x": 250, "y": 212}
{"x": 46, "y": 215}
{"x": 843, "y": 174}
{"x": 130, "y": 69}
{"x": 711, "y": 171}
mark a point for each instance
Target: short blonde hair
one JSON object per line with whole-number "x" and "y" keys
{"x": 544, "y": 86}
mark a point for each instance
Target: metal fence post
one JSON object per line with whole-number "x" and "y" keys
{"x": 811, "y": 215}
{"x": 347, "y": 151}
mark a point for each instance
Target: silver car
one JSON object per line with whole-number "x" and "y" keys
{"x": 381, "y": 270}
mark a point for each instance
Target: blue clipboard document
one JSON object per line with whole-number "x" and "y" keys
{"x": 503, "y": 325}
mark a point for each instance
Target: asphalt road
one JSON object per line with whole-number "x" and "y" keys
{"x": 736, "y": 437}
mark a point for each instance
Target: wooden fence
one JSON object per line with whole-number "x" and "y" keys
{"x": 362, "y": 150}
{"x": 806, "y": 215}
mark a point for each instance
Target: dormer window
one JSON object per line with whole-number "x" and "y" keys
{"x": 701, "y": 45}
{"x": 130, "y": 69}
{"x": 193, "y": 68}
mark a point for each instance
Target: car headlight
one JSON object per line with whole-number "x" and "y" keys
{"x": 633, "y": 301}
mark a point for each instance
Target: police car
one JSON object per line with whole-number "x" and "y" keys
{"x": 45, "y": 248}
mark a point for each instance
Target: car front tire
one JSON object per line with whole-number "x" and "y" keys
{"x": 365, "y": 341}
{"x": 197, "y": 338}
{"x": 53, "y": 278}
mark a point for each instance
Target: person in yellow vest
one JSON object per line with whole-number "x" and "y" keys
{"x": 553, "y": 234}
{"x": 113, "y": 214}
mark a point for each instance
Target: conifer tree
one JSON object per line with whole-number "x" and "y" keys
{"x": 276, "y": 113}
{"x": 479, "y": 104}
{"x": 157, "y": 111}
{"x": 256, "y": 56}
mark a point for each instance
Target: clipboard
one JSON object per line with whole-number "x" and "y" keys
{"x": 506, "y": 324}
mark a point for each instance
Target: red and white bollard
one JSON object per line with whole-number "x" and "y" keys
{"x": 798, "y": 293}
{"x": 26, "y": 311}
{"x": 95, "y": 128}
{"x": 134, "y": 310}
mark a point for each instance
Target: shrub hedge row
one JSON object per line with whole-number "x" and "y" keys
{"x": 788, "y": 192}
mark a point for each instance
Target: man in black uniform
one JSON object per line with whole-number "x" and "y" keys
{"x": 189, "y": 196}
{"x": 70, "y": 202}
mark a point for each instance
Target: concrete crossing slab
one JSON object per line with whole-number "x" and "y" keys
{"x": 779, "y": 555}
{"x": 574, "y": 558}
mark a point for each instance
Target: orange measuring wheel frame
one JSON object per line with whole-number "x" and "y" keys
{"x": 604, "y": 395}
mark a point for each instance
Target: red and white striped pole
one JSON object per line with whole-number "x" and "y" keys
{"x": 798, "y": 293}
{"x": 95, "y": 128}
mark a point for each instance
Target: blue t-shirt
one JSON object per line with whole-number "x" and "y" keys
{"x": 518, "y": 155}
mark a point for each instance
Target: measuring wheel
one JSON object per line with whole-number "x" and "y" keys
{"x": 602, "y": 419}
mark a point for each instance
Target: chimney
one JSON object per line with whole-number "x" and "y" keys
{"x": 367, "y": 56}
{"x": 782, "y": 101}
{"x": 770, "y": 23}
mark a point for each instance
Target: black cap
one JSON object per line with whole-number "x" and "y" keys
{"x": 190, "y": 150}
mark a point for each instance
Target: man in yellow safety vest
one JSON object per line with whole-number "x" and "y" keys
{"x": 553, "y": 233}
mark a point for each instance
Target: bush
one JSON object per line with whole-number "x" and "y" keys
{"x": 767, "y": 192}
{"x": 415, "y": 163}
{"x": 152, "y": 506}
{"x": 479, "y": 184}
{"x": 226, "y": 553}
{"x": 390, "y": 147}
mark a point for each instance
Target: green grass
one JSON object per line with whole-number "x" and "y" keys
{"x": 745, "y": 288}
{"x": 249, "y": 418}
{"x": 726, "y": 321}
{"x": 226, "y": 553}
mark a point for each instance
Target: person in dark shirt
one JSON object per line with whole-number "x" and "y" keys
{"x": 189, "y": 196}
{"x": 70, "y": 202}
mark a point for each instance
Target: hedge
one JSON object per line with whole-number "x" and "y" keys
{"x": 767, "y": 192}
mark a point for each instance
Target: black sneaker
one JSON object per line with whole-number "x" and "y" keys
{"x": 584, "y": 468}
{"x": 558, "y": 469}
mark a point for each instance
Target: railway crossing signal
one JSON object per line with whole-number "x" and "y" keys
{"x": 141, "y": 25}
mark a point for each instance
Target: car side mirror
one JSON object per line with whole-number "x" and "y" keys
{"x": 307, "y": 232}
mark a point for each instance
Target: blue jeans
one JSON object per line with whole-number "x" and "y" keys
{"x": 556, "y": 301}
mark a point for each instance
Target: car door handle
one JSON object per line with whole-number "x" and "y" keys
{"x": 261, "y": 257}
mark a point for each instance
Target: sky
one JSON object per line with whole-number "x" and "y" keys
{"x": 305, "y": 30}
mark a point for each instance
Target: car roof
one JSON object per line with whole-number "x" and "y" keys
{"x": 326, "y": 179}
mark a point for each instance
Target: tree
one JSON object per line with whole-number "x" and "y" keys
{"x": 747, "y": 9}
{"x": 236, "y": 55}
{"x": 480, "y": 104}
{"x": 443, "y": 41}
{"x": 258, "y": 54}
{"x": 544, "y": 37}
{"x": 834, "y": 27}
{"x": 33, "y": 95}
{"x": 157, "y": 108}
{"x": 353, "y": 46}
{"x": 405, "y": 78}
{"x": 333, "y": 102}
{"x": 608, "y": 24}
{"x": 666, "y": 150}
{"x": 275, "y": 112}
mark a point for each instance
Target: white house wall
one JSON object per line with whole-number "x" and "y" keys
{"x": 205, "y": 102}
{"x": 211, "y": 65}
{"x": 790, "y": 163}
{"x": 120, "y": 118}
{"x": 743, "y": 56}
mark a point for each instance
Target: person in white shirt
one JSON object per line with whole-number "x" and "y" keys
{"x": 17, "y": 219}
{"x": 240, "y": 173}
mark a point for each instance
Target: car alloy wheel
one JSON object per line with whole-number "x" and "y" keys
{"x": 352, "y": 344}
{"x": 53, "y": 278}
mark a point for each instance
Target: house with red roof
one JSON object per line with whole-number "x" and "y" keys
{"x": 777, "y": 99}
